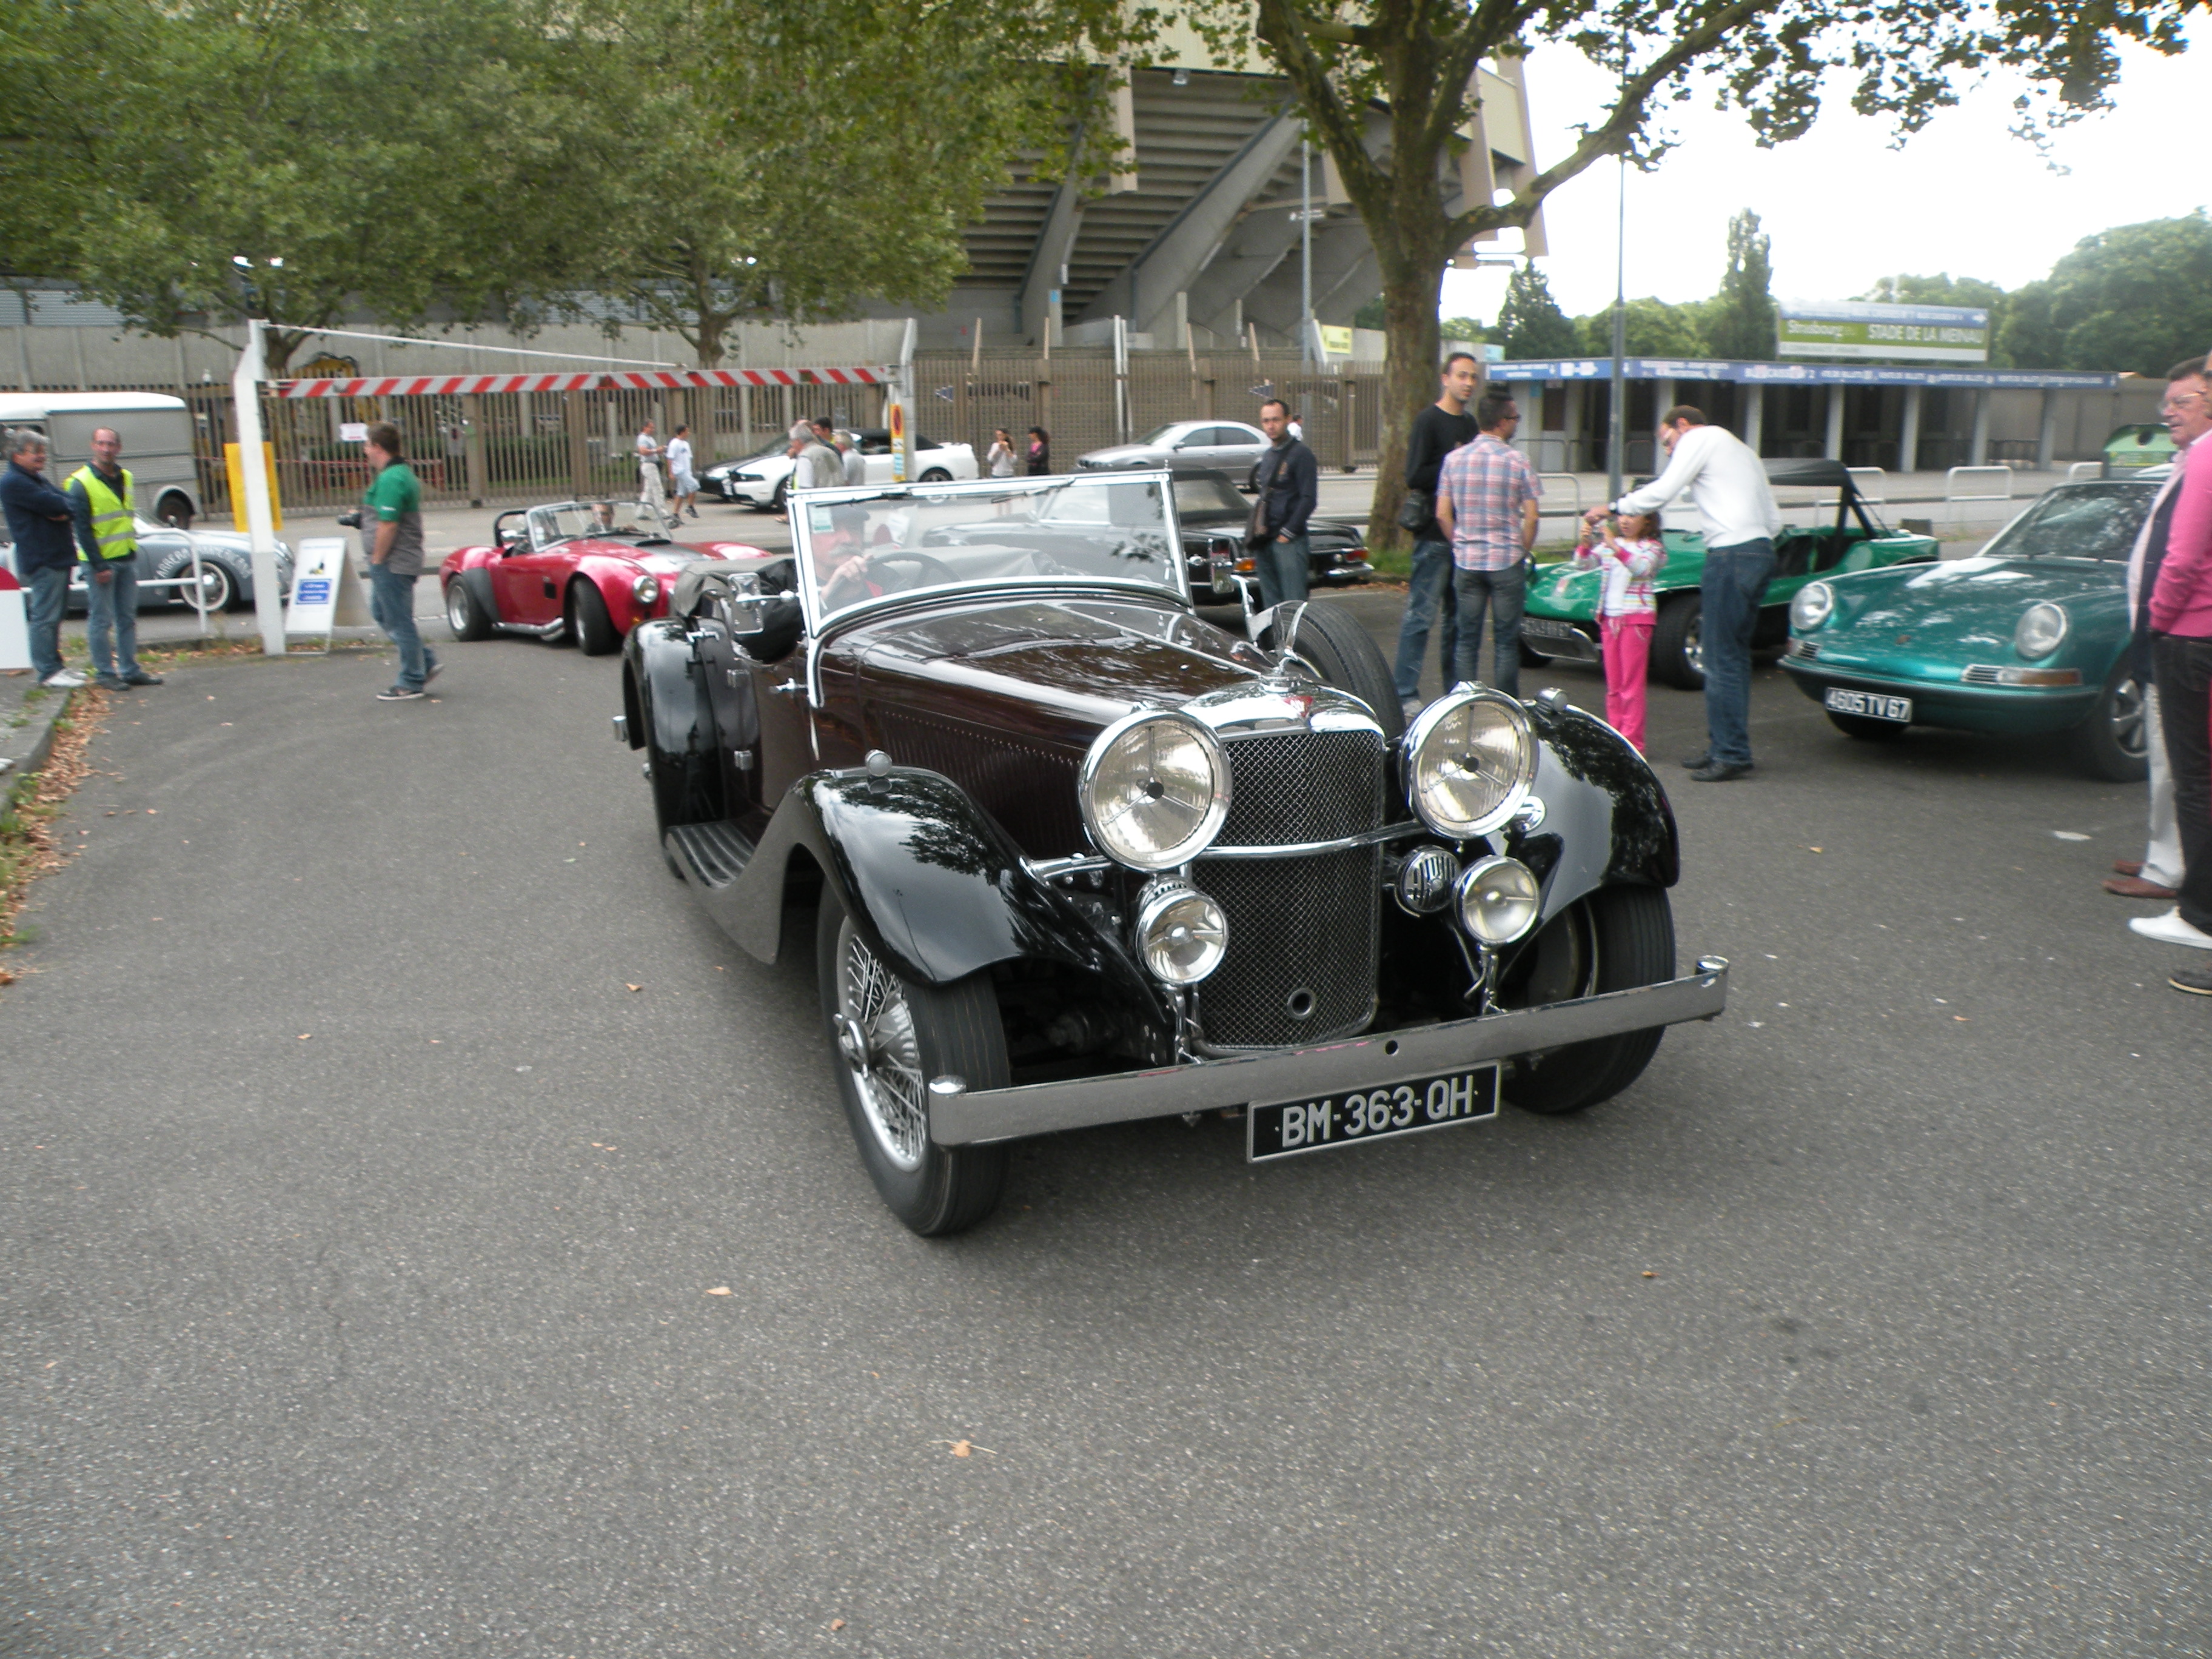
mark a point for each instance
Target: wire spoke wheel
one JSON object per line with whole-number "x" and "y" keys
{"x": 875, "y": 1037}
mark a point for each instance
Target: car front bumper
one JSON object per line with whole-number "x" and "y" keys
{"x": 1999, "y": 710}
{"x": 959, "y": 1117}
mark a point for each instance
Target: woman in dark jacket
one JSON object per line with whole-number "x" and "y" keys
{"x": 1040, "y": 451}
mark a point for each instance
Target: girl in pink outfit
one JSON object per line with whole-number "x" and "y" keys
{"x": 1632, "y": 556}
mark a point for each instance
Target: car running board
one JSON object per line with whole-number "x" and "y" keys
{"x": 713, "y": 854}
{"x": 535, "y": 630}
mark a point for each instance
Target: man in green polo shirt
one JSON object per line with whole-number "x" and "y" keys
{"x": 391, "y": 524}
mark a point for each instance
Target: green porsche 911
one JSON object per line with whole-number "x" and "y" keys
{"x": 2028, "y": 637}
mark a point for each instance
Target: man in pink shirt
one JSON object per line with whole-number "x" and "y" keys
{"x": 2180, "y": 612}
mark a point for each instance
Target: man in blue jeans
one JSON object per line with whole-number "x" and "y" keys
{"x": 46, "y": 552}
{"x": 1437, "y": 430}
{"x": 1728, "y": 485}
{"x": 391, "y": 524}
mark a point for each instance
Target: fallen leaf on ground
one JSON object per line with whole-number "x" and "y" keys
{"x": 964, "y": 1448}
{"x": 304, "y": 1036}
{"x": 634, "y": 988}
{"x": 836, "y": 1624}
{"x": 1648, "y": 1273}
{"x": 719, "y": 1290}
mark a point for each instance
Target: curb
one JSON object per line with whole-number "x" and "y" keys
{"x": 24, "y": 749}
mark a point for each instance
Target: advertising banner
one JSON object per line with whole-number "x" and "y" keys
{"x": 1900, "y": 334}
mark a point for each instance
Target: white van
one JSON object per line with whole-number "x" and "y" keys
{"x": 157, "y": 442}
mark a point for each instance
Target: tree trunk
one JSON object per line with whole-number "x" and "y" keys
{"x": 1411, "y": 287}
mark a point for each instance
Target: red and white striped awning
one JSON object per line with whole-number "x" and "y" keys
{"x": 646, "y": 379}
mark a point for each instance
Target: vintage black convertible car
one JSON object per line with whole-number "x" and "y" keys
{"x": 1079, "y": 857}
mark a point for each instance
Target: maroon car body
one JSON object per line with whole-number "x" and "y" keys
{"x": 589, "y": 571}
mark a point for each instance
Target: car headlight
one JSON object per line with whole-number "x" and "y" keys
{"x": 2042, "y": 630}
{"x": 1500, "y": 900}
{"x": 1814, "y": 603}
{"x": 1182, "y": 933}
{"x": 646, "y": 591}
{"x": 1154, "y": 790}
{"x": 1470, "y": 758}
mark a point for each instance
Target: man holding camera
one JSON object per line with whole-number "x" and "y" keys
{"x": 390, "y": 523}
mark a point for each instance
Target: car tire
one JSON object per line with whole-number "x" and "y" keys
{"x": 937, "y": 474}
{"x": 591, "y": 630}
{"x": 463, "y": 613}
{"x": 781, "y": 501}
{"x": 2112, "y": 743}
{"x": 1330, "y": 637}
{"x": 175, "y": 511}
{"x": 1865, "y": 728}
{"x": 1617, "y": 939}
{"x": 1678, "y": 652}
{"x": 890, "y": 1036}
{"x": 219, "y": 584}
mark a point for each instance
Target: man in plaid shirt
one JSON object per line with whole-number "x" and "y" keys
{"x": 1487, "y": 495}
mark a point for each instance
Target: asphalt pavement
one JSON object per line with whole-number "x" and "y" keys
{"x": 381, "y": 1121}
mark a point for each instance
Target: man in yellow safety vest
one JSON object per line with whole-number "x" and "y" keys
{"x": 103, "y": 503}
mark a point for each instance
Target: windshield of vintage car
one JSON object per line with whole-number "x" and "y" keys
{"x": 1077, "y": 531}
{"x": 599, "y": 520}
{"x": 1209, "y": 495}
{"x": 2077, "y": 521}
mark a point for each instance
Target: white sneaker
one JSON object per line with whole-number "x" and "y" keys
{"x": 66, "y": 679}
{"x": 2170, "y": 929}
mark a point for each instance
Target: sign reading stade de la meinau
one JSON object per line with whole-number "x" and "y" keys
{"x": 1857, "y": 328}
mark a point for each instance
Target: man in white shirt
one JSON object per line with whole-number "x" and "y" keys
{"x": 649, "y": 491}
{"x": 682, "y": 484}
{"x": 1727, "y": 484}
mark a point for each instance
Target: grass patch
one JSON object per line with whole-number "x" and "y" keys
{"x": 27, "y": 846}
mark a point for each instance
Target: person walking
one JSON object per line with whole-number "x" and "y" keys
{"x": 681, "y": 481}
{"x": 104, "y": 505}
{"x": 651, "y": 490}
{"x": 1040, "y": 451}
{"x": 391, "y": 524}
{"x": 1728, "y": 485}
{"x": 1290, "y": 489}
{"x": 1631, "y": 557}
{"x": 2181, "y": 665}
{"x": 39, "y": 522}
{"x": 1001, "y": 457}
{"x": 2159, "y": 874}
{"x": 1486, "y": 505}
{"x": 1430, "y": 603}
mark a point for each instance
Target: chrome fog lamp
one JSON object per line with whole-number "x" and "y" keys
{"x": 1424, "y": 884}
{"x": 1154, "y": 789}
{"x": 1181, "y": 932}
{"x": 1814, "y": 603}
{"x": 1500, "y": 900}
{"x": 1470, "y": 758}
{"x": 2041, "y": 631}
{"x": 645, "y": 590}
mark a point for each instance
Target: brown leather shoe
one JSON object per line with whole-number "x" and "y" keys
{"x": 2127, "y": 866}
{"x": 2135, "y": 887}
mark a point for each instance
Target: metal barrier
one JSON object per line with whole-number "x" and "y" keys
{"x": 2081, "y": 469}
{"x": 1574, "y": 489}
{"x": 1873, "y": 484}
{"x": 1972, "y": 474}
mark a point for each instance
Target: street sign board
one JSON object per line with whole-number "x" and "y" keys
{"x": 1897, "y": 334}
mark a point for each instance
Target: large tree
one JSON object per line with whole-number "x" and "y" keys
{"x": 1654, "y": 329}
{"x": 1416, "y": 60}
{"x": 1739, "y": 321}
{"x": 1529, "y": 320}
{"x": 2136, "y": 297}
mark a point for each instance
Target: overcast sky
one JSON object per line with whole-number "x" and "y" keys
{"x": 1843, "y": 209}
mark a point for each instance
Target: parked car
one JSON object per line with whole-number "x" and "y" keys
{"x": 763, "y": 480}
{"x": 584, "y": 571}
{"x": 2029, "y": 636}
{"x": 1078, "y": 856}
{"x": 164, "y": 554}
{"x": 1561, "y": 623}
{"x": 1212, "y": 517}
{"x": 1233, "y": 447}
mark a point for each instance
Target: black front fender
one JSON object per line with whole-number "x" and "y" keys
{"x": 934, "y": 885}
{"x": 663, "y": 684}
{"x": 1607, "y": 818}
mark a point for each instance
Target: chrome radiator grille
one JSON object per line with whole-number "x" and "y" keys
{"x": 1303, "y": 932}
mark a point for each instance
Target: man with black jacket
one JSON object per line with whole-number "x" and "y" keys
{"x": 1440, "y": 428}
{"x": 1290, "y": 487}
{"x": 46, "y": 551}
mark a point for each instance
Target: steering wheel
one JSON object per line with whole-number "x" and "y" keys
{"x": 927, "y": 569}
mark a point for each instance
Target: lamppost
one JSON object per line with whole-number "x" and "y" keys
{"x": 1305, "y": 253}
{"x": 1617, "y": 413}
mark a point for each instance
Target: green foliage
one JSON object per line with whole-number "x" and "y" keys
{"x": 1530, "y": 322}
{"x": 2136, "y": 297}
{"x": 1462, "y": 328}
{"x": 1941, "y": 289}
{"x": 1740, "y": 322}
{"x": 1370, "y": 315}
{"x": 1654, "y": 329}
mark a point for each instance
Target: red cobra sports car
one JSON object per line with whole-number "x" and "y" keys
{"x": 588, "y": 570}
